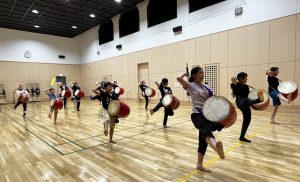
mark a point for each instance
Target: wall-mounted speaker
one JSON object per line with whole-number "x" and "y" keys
{"x": 119, "y": 46}
{"x": 177, "y": 29}
{"x": 238, "y": 11}
{"x": 61, "y": 56}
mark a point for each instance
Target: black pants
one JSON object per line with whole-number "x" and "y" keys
{"x": 96, "y": 97}
{"x": 65, "y": 102}
{"x": 205, "y": 128}
{"x": 168, "y": 112}
{"x": 244, "y": 105}
{"x": 78, "y": 102}
{"x": 147, "y": 101}
{"x": 24, "y": 105}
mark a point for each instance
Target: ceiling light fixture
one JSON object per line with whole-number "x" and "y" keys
{"x": 118, "y": 1}
{"x": 35, "y": 11}
{"x": 92, "y": 15}
{"x": 74, "y": 27}
{"x": 36, "y": 26}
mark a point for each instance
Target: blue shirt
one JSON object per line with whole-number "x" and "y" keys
{"x": 51, "y": 96}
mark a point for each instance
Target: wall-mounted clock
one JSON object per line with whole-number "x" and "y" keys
{"x": 27, "y": 54}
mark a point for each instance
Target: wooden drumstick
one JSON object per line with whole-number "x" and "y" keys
{"x": 187, "y": 68}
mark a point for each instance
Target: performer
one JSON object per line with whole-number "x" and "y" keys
{"x": 106, "y": 97}
{"x": 98, "y": 87}
{"x": 276, "y": 96}
{"x": 164, "y": 89}
{"x": 241, "y": 91}
{"x": 20, "y": 92}
{"x": 199, "y": 94}
{"x": 75, "y": 86}
{"x": 143, "y": 86}
{"x": 62, "y": 87}
{"x": 51, "y": 95}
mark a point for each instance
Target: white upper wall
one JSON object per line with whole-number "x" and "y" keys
{"x": 83, "y": 48}
{"x": 43, "y": 48}
{"x": 206, "y": 21}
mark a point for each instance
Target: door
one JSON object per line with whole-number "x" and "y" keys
{"x": 143, "y": 75}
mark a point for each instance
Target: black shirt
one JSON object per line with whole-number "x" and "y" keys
{"x": 164, "y": 90}
{"x": 273, "y": 83}
{"x": 74, "y": 88}
{"x": 240, "y": 90}
{"x": 106, "y": 98}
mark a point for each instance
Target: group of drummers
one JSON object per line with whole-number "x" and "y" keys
{"x": 209, "y": 112}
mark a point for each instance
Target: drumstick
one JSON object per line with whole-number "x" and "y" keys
{"x": 187, "y": 68}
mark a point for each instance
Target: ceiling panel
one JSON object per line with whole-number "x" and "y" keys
{"x": 56, "y": 17}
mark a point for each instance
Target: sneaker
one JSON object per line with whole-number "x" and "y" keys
{"x": 91, "y": 97}
{"x": 245, "y": 140}
{"x": 260, "y": 95}
{"x": 24, "y": 114}
{"x": 116, "y": 120}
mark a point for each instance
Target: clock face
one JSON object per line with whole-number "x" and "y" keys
{"x": 27, "y": 54}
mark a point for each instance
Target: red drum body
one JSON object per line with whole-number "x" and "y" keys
{"x": 57, "y": 103}
{"x": 23, "y": 97}
{"x": 218, "y": 109}
{"x": 262, "y": 105}
{"x": 79, "y": 93}
{"x": 118, "y": 109}
{"x": 288, "y": 87}
{"x": 150, "y": 92}
{"x": 170, "y": 101}
{"x": 119, "y": 90}
{"x": 66, "y": 93}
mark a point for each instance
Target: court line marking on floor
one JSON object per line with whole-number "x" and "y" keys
{"x": 217, "y": 158}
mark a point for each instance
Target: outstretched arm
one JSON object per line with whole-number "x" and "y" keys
{"x": 182, "y": 81}
{"x": 96, "y": 90}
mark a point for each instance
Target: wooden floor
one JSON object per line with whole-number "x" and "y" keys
{"x": 34, "y": 149}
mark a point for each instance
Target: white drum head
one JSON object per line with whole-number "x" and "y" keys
{"x": 253, "y": 96}
{"x": 117, "y": 90}
{"x": 287, "y": 87}
{"x": 216, "y": 108}
{"x": 76, "y": 92}
{"x": 114, "y": 108}
{"x": 63, "y": 93}
{"x": 148, "y": 92}
{"x": 166, "y": 101}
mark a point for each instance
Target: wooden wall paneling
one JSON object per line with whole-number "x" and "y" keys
{"x": 188, "y": 48}
{"x": 237, "y": 47}
{"x": 155, "y": 66}
{"x": 257, "y": 76}
{"x": 53, "y": 71}
{"x": 203, "y": 50}
{"x": 13, "y": 73}
{"x": 3, "y": 74}
{"x": 43, "y": 72}
{"x": 298, "y": 38}
{"x": 258, "y": 39}
{"x": 166, "y": 61}
{"x": 282, "y": 39}
{"x": 219, "y": 48}
{"x": 224, "y": 83}
{"x": 177, "y": 61}
{"x": 23, "y": 69}
{"x": 34, "y": 72}
{"x": 297, "y": 80}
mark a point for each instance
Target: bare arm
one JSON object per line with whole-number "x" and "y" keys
{"x": 182, "y": 81}
{"x": 96, "y": 91}
{"x": 157, "y": 84}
